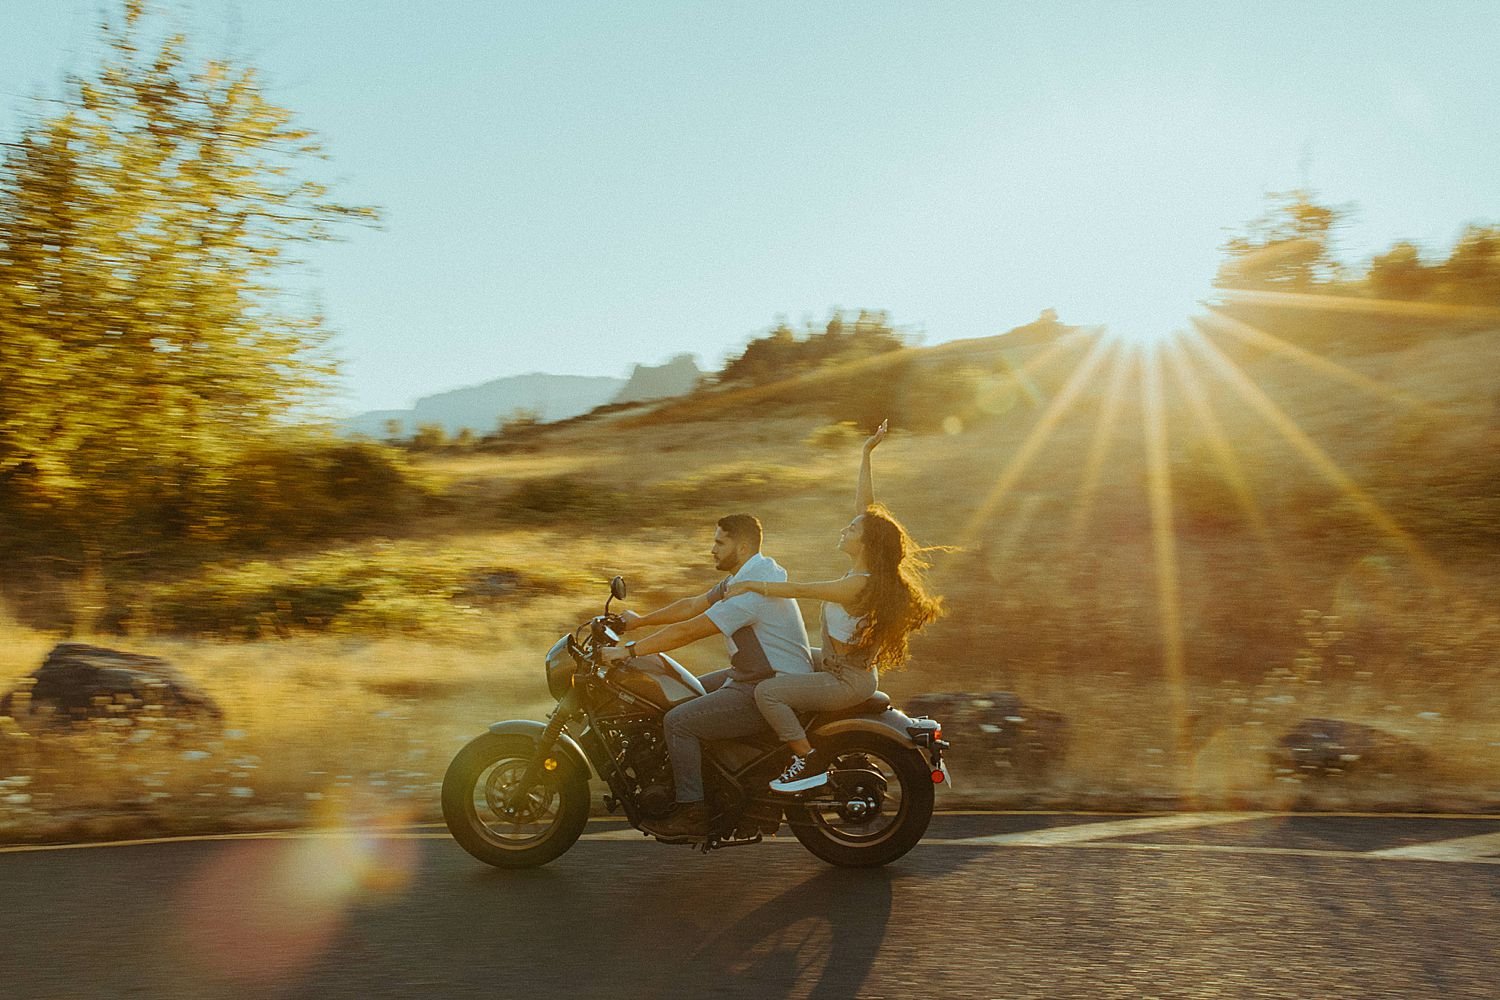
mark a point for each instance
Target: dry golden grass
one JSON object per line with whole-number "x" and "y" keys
{"x": 1056, "y": 596}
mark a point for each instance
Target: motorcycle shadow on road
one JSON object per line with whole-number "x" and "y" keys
{"x": 817, "y": 940}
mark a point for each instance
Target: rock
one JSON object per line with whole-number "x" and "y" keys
{"x": 77, "y": 681}
{"x": 996, "y": 730}
{"x": 651, "y": 382}
{"x": 1331, "y": 746}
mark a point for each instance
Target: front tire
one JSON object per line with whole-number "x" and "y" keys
{"x": 479, "y": 814}
{"x": 903, "y": 802}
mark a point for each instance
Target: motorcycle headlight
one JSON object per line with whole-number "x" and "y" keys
{"x": 560, "y": 668}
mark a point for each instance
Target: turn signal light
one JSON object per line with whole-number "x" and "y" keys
{"x": 937, "y": 776}
{"x": 550, "y": 764}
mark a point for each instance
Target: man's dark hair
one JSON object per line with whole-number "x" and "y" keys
{"x": 742, "y": 528}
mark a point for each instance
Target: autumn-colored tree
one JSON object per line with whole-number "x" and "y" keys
{"x": 1289, "y": 248}
{"x": 781, "y": 354}
{"x": 1472, "y": 271}
{"x": 146, "y": 341}
{"x": 1399, "y": 273}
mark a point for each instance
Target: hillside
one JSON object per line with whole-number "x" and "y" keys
{"x": 1315, "y": 537}
{"x": 1374, "y": 495}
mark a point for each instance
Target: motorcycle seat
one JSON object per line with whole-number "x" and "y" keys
{"x": 873, "y": 705}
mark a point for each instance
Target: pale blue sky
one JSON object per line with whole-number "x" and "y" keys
{"x": 573, "y": 187}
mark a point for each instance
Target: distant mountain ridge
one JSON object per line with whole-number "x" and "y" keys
{"x": 550, "y": 397}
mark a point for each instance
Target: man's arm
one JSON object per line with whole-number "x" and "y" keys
{"x": 672, "y": 637}
{"x": 677, "y": 611}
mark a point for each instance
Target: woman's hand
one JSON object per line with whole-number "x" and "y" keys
{"x": 736, "y": 589}
{"x": 878, "y": 436}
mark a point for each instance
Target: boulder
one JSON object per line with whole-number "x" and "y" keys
{"x": 78, "y": 682}
{"x": 1331, "y": 746}
{"x": 996, "y": 730}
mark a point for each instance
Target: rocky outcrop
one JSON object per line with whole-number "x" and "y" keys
{"x": 77, "y": 682}
{"x": 1325, "y": 747}
{"x": 675, "y": 378}
{"x": 996, "y": 731}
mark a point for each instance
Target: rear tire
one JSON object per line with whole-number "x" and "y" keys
{"x": 544, "y": 825}
{"x": 896, "y": 829}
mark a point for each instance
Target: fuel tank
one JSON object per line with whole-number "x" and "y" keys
{"x": 658, "y": 679}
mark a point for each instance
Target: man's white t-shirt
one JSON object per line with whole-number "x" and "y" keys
{"x": 766, "y": 635}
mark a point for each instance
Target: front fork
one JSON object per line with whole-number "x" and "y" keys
{"x": 531, "y": 777}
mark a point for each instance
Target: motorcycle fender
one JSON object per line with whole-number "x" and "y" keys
{"x": 890, "y": 724}
{"x": 566, "y": 744}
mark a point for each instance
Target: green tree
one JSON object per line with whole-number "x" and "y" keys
{"x": 1289, "y": 248}
{"x": 146, "y": 339}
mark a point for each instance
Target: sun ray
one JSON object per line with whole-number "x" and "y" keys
{"x": 1351, "y": 304}
{"x": 1038, "y": 436}
{"x": 1260, "y": 338}
{"x": 1256, "y": 398}
{"x": 1164, "y": 545}
{"x": 1223, "y": 454}
{"x": 1093, "y": 466}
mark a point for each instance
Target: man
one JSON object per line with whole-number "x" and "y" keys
{"x": 765, "y": 636}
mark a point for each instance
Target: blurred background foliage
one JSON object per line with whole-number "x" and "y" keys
{"x": 162, "y": 391}
{"x": 161, "y": 387}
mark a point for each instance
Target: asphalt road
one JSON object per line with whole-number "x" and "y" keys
{"x": 995, "y": 905}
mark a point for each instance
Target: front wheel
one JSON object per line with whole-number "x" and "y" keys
{"x": 483, "y": 816}
{"x": 872, "y": 812}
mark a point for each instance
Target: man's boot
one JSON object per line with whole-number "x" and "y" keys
{"x": 688, "y": 822}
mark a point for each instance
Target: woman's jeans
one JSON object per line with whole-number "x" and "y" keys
{"x": 833, "y": 687}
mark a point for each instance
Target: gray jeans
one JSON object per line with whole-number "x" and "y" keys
{"x": 727, "y": 712}
{"x": 780, "y": 698}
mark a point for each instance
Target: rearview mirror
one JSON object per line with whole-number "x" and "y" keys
{"x": 617, "y": 588}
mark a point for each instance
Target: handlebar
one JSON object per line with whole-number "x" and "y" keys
{"x": 604, "y": 630}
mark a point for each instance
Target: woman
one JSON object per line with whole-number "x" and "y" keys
{"x": 869, "y": 614}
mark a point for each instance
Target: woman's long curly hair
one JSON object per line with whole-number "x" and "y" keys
{"x": 895, "y": 603}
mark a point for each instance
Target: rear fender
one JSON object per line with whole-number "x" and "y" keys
{"x": 566, "y": 744}
{"x": 889, "y": 724}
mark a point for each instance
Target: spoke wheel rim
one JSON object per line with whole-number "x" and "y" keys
{"x": 885, "y": 806}
{"x": 533, "y": 819}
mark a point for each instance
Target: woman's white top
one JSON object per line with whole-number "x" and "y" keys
{"x": 838, "y": 623}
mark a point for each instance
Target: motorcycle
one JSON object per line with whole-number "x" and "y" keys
{"x": 518, "y": 796}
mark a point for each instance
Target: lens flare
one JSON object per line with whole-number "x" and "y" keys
{"x": 262, "y": 911}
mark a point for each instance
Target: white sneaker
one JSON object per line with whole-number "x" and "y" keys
{"x": 801, "y": 774}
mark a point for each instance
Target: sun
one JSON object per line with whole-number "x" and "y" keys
{"x": 1152, "y": 324}
{"x": 1149, "y": 324}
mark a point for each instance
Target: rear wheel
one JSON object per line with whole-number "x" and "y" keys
{"x": 875, "y": 810}
{"x": 485, "y": 817}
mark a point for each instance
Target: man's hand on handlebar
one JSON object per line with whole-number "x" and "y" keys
{"x": 615, "y": 654}
{"x": 629, "y": 618}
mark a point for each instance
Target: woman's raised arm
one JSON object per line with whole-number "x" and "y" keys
{"x": 864, "y": 487}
